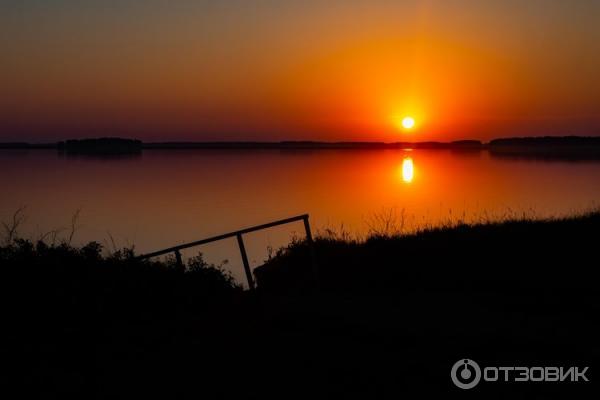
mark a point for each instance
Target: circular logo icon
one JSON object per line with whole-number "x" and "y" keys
{"x": 465, "y": 374}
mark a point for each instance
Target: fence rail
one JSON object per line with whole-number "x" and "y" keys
{"x": 238, "y": 234}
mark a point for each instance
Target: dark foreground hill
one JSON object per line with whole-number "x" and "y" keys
{"x": 390, "y": 318}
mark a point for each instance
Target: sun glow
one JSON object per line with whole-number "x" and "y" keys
{"x": 408, "y": 122}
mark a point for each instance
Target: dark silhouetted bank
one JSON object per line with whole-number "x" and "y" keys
{"x": 389, "y": 317}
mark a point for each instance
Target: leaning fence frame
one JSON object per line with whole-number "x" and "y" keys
{"x": 238, "y": 234}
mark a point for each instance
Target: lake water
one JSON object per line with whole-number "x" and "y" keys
{"x": 163, "y": 198}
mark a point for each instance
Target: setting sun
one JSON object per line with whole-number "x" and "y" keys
{"x": 404, "y": 122}
{"x": 408, "y": 122}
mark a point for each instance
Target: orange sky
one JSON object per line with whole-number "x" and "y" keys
{"x": 263, "y": 70}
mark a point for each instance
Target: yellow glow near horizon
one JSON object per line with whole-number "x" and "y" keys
{"x": 408, "y": 170}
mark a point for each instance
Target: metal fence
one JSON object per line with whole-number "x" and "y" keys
{"x": 176, "y": 250}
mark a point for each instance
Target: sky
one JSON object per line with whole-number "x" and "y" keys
{"x": 267, "y": 70}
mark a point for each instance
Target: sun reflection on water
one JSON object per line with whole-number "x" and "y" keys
{"x": 408, "y": 170}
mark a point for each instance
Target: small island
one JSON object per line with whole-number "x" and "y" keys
{"x": 100, "y": 146}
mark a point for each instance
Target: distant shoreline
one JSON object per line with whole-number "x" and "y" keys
{"x": 543, "y": 142}
{"x": 269, "y": 145}
{"x": 549, "y": 148}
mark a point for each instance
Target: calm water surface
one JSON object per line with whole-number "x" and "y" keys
{"x": 163, "y": 198}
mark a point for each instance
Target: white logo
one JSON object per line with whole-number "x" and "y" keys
{"x": 465, "y": 374}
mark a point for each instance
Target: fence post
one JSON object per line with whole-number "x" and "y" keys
{"x": 179, "y": 260}
{"x": 311, "y": 248}
{"x": 245, "y": 261}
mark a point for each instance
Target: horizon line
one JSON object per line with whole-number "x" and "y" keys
{"x": 463, "y": 142}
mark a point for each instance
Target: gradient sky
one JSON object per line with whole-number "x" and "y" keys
{"x": 315, "y": 70}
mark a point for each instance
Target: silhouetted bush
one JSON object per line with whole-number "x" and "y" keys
{"x": 67, "y": 278}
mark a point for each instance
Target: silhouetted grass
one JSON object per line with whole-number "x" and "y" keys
{"x": 486, "y": 255}
{"x": 405, "y": 306}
